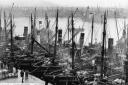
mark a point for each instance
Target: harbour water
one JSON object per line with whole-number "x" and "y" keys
{"x": 98, "y": 27}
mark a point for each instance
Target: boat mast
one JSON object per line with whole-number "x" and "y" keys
{"x": 47, "y": 27}
{"x": 72, "y": 41}
{"x": 32, "y": 41}
{"x": 11, "y": 26}
{"x": 0, "y": 26}
{"x": 103, "y": 47}
{"x": 5, "y": 29}
{"x": 0, "y": 20}
{"x": 34, "y": 27}
{"x": 68, "y": 28}
{"x": 53, "y": 61}
{"x": 116, "y": 25}
{"x": 92, "y": 29}
{"x": 126, "y": 61}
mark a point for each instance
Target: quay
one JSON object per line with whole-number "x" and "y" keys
{"x": 31, "y": 80}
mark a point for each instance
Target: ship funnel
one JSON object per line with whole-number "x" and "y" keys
{"x": 81, "y": 39}
{"x": 40, "y": 22}
{"x": 60, "y": 36}
{"x": 25, "y": 31}
{"x": 110, "y": 46}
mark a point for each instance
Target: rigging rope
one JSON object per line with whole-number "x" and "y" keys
{"x": 65, "y": 34}
{"x": 88, "y": 36}
{"x": 116, "y": 26}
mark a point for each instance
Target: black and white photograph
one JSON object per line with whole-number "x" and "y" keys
{"x": 63, "y": 42}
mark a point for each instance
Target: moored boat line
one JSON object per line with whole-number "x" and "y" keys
{"x": 81, "y": 65}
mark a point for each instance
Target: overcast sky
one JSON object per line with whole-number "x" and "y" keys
{"x": 102, "y": 3}
{"x": 94, "y": 3}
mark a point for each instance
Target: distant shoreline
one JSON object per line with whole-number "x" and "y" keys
{"x": 64, "y": 12}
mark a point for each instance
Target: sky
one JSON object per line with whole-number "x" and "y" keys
{"x": 102, "y": 3}
{"x": 80, "y": 3}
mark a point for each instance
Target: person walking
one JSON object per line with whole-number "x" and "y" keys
{"x": 26, "y": 74}
{"x": 22, "y": 75}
